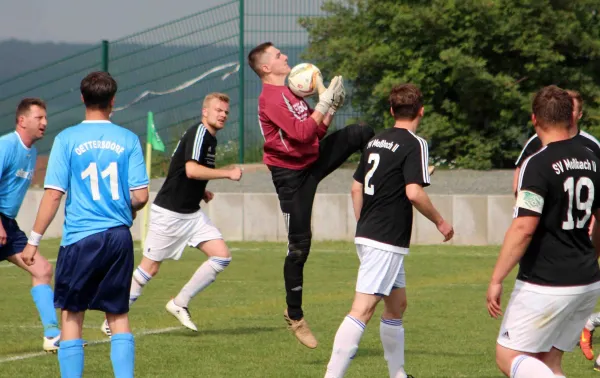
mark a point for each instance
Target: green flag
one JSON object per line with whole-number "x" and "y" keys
{"x": 153, "y": 137}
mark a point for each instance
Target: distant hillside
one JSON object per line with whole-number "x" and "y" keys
{"x": 20, "y": 56}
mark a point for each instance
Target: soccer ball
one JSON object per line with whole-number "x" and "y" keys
{"x": 304, "y": 79}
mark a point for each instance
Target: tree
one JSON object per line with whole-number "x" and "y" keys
{"x": 477, "y": 62}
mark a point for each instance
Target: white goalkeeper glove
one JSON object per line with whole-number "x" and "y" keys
{"x": 331, "y": 95}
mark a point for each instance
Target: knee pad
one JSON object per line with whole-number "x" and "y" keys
{"x": 219, "y": 263}
{"x": 299, "y": 247}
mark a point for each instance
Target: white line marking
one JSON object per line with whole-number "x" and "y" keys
{"x": 95, "y": 342}
{"x": 11, "y": 265}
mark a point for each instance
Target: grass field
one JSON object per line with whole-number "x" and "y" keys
{"x": 242, "y": 331}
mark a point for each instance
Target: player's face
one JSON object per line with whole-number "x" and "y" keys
{"x": 277, "y": 62}
{"x": 216, "y": 113}
{"x": 34, "y": 122}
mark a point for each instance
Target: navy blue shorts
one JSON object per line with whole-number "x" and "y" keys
{"x": 15, "y": 238}
{"x": 95, "y": 273}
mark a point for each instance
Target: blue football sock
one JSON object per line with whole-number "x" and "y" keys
{"x": 70, "y": 358}
{"x": 44, "y": 301}
{"x": 122, "y": 354}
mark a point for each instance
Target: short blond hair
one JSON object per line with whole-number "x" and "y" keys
{"x": 220, "y": 96}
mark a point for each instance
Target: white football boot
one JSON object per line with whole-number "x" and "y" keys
{"x": 105, "y": 328}
{"x": 51, "y": 344}
{"x": 182, "y": 314}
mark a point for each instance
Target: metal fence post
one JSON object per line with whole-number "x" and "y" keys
{"x": 241, "y": 86}
{"x": 105, "y": 55}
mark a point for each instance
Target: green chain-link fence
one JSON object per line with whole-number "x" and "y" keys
{"x": 205, "y": 51}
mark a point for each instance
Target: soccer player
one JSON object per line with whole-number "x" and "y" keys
{"x": 388, "y": 182}
{"x": 102, "y": 168}
{"x": 17, "y": 166}
{"x": 558, "y": 283}
{"x": 587, "y": 140}
{"x": 176, "y": 219}
{"x": 299, "y": 156}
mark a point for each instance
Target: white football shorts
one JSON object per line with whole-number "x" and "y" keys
{"x": 169, "y": 233}
{"x": 380, "y": 271}
{"x": 538, "y": 318}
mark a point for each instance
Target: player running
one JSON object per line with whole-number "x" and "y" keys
{"x": 388, "y": 182}
{"x": 558, "y": 282}
{"x": 102, "y": 168}
{"x": 176, "y": 219}
{"x": 17, "y": 166}
{"x": 299, "y": 156}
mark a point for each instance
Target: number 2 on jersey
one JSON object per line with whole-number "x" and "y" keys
{"x": 369, "y": 188}
{"x": 92, "y": 172}
{"x": 575, "y": 191}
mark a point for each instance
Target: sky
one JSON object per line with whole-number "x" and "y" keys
{"x": 85, "y": 21}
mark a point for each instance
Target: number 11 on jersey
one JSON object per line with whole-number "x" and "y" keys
{"x": 92, "y": 172}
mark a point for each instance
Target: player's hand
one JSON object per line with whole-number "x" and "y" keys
{"x": 3, "y": 236}
{"x": 235, "y": 174}
{"x": 446, "y": 229}
{"x": 494, "y": 295}
{"x": 338, "y": 101}
{"x": 208, "y": 196}
{"x": 331, "y": 94}
{"x": 28, "y": 254}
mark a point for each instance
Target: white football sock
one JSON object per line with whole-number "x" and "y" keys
{"x": 391, "y": 333}
{"x": 593, "y": 321}
{"x": 528, "y": 367}
{"x": 138, "y": 281}
{"x": 345, "y": 346}
{"x": 204, "y": 276}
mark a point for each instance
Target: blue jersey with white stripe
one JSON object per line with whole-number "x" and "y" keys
{"x": 180, "y": 193}
{"x": 17, "y": 166}
{"x": 97, "y": 163}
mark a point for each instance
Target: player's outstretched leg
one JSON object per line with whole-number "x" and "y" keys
{"x": 141, "y": 276}
{"x": 70, "y": 353}
{"x": 349, "y": 334}
{"x": 391, "y": 332}
{"x": 122, "y": 346}
{"x": 585, "y": 341}
{"x": 219, "y": 258}
{"x": 43, "y": 297}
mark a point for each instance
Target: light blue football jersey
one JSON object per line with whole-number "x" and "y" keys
{"x": 17, "y": 166}
{"x": 96, "y": 163}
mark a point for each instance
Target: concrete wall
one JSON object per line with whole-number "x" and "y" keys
{"x": 477, "y": 219}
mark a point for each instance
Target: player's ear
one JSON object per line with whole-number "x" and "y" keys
{"x": 533, "y": 120}
{"x": 204, "y": 112}
{"x": 112, "y": 102}
{"x": 392, "y": 111}
{"x": 421, "y": 111}
{"x": 82, "y": 100}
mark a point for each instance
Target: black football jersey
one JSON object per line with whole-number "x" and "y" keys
{"x": 534, "y": 144}
{"x": 180, "y": 193}
{"x": 558, "y": 184}
{"x": 391, "y": 160}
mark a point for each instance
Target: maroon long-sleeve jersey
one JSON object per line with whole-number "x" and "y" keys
{"x": 291, "y": 135}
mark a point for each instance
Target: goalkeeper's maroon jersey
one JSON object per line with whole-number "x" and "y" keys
{"x": 291, "y": 135}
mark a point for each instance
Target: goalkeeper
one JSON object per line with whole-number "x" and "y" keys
{"x": 299, "y": 156}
